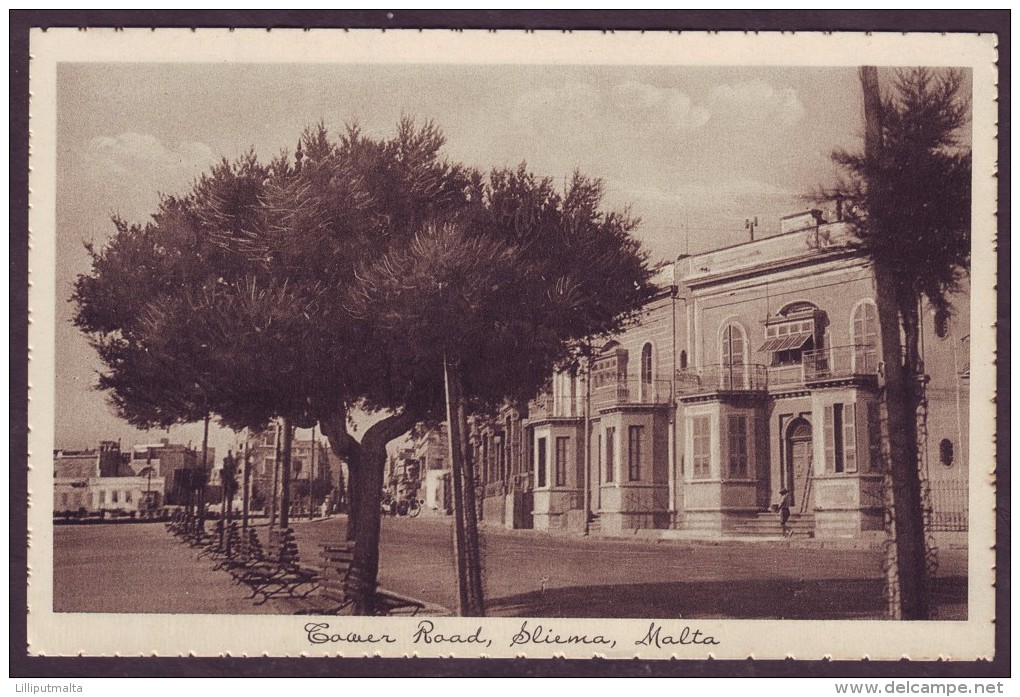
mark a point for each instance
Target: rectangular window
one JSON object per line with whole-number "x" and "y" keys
{"x": 737, "y": 442}
{"x": 610, "y": 454}
{"x": 840, "y": 438}
{"x": 541, "y": 462}
{"x": 850, "y": 437}
{"x": 635, "y": 434}
{"x": 874, "y": 437}
{"x": 65, "y": 500}
{"x": 270, "y": 438}
{"x": 701, "y": 447}
{"x": 127, "y": 496}
{"x": 113, "y": 496}
{"x": 561, "y": 460}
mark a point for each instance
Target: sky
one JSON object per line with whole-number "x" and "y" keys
{"x": 692, "y": 151}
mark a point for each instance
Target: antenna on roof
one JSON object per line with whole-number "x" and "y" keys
{"x": 751, "y": 224}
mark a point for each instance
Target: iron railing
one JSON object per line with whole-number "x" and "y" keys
{"x": 838, "y": 362}
{"x": 949, "y": 506}
{"x": 546, "y": 405}
{"x": 722, "y": 378}
{"x": 631, "y": 390}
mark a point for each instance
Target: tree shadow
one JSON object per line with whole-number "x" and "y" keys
{"x": 790, "y": 599}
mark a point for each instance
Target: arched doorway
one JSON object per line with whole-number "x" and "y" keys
{"x": 798, "y": 463}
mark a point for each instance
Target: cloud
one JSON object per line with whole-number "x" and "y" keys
{"x": 652, "y": 104}
{"x": 755, "y": 102}
{"x": 629, "y": 108}
{"x": 129, "y": 169}
{"x": 735, "y": 189}
{"x": 583, "y": 105}
{"x": 551, "y": 106}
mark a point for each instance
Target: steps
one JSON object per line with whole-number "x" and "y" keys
{"x": 767, "y": 525}
{"x": 594, "y": 525}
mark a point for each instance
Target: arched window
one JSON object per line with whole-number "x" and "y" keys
{"x": 946, "y": 452}
{"x": 941, "y": 323}
{"x": 734, "y": 356}
{"x": 734, "y": 345}
{"x": 647, "y": 374}
{"x": 865, "y": 337}
{"x": 646, "y": 364}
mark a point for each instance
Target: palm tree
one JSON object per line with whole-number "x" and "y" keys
{"x": 909, "y": 195}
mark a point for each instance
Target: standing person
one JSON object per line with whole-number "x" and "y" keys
{"x": 784, "y": 510}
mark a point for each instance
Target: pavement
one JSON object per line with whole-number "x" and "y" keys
{"x": 526, "y": 573}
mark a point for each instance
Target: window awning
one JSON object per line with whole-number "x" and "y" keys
{"x": 786, "y": 343}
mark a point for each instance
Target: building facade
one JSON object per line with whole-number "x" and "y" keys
{"x": 102, "y": 480}
{"x": 755, "y": 370}
{"x": 311, "y": 471}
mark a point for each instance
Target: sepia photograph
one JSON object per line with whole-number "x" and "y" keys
{"x": 416, "y": 344}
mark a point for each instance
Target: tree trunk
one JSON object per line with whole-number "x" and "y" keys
{"x": 346, "y": 448}
{"x": 467, "y": 511}
{"x": 361, "y": 581}
{"x": 456, "y": 452}
{"x": 474, "y": 559}
{"x": 274, "y": 509}
{"x": 246, "y": 491}
{"x": 223, "y": 504}
{"x": 228, "y": 486}
{"x": 205, "y": 473}
{"x": 288, "y": 440}
{"x": 353, "y": 498}
{"x": 896, "y": 304}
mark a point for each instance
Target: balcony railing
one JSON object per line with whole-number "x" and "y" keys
{"x": 780, "y": 376}
{"x": 548, "y": 406}
{"x": 840, "y": 362}
{"x": 722, "y": 378}
{"x": 631, "y": 391}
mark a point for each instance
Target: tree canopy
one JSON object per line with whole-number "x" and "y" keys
{"x": 913, "y": 197}
{"x": 343, "y": 276}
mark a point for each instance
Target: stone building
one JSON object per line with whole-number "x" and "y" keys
{"x": 174, "y": 464}
{"x": 102, "y": 479}
{"x": 310, "y": 466}
{"x": 755, "y": 369}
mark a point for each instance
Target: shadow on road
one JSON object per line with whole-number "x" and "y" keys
{"x": 775, "y": 599}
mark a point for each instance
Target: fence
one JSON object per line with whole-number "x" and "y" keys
{"x": 949, "y": 506}
{"x": 632, "y": 391}
{"x": 722, "y": 378}
{"x": 840, "y": 362}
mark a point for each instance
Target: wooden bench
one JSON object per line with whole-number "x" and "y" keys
{"x": 337, "y": 559}
{"x": 280, "y": 573}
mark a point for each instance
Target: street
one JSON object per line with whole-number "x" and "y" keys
{"x": 142, "y": 568}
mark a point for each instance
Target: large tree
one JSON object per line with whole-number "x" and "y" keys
{"x": 493, "y": 300}
{"x": 298, "y": 318}
{"x": 910, "y": 199}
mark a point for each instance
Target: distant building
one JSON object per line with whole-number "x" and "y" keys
{"x": 310, "y": 464}
{"x": 101, "y": 480}
{"x": 403, "y": 475}
{"x": 174, "y": 464}
{"x": 755, "y": 369}
{"x": 430, "y": 450}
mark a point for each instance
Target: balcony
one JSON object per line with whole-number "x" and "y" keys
{"x": 840, "y": 363}
{"x": 547, "y": 406}
{"x": 721, "y": 379}
{"x": 631, "y": 391}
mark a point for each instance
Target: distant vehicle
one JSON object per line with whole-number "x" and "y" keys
{"x": 400, "y": 507}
